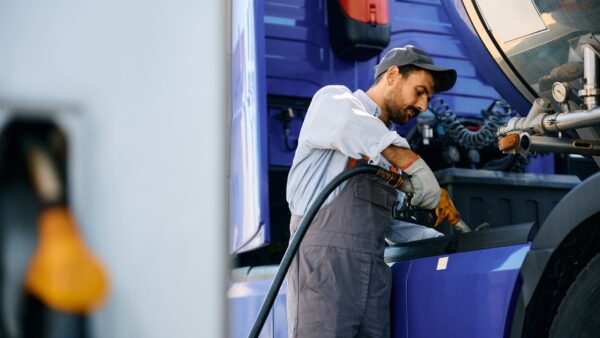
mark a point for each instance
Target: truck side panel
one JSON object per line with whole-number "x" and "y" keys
{"x": 244, "y": 302}
{"x": 470, "y": 297}
{"x": 465, "y": 294}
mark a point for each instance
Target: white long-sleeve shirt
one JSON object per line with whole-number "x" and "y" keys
{"x": 338, "y": 124}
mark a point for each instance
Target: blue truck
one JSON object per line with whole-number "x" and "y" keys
{"x": 527, "y": 84}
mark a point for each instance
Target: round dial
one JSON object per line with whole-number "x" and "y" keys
{"x": 559, "y": 92}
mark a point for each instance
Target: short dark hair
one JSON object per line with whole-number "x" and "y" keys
{"x": 405, "y": 70}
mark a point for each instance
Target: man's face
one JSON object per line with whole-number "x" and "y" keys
{"x": 407, "y": 97}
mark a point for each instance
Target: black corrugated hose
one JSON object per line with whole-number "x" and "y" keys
{"x": 508, "y": 163}
{"x": 493, "y": 117}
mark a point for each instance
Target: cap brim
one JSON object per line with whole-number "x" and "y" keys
{"x": 444, "y": 78}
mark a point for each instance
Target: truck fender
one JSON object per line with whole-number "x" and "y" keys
{"x": 577, "y": 206}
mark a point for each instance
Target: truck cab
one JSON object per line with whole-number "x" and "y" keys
{"x": 528, "y": 88}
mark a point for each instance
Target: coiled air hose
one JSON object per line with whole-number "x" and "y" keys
{"x": 485, "y": 136}
{"x": 395, "y": 180}
{"x": 466, "y": 138}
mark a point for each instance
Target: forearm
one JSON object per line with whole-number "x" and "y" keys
{"x": 426, "y": 190}
{"x": 399, "y": 157}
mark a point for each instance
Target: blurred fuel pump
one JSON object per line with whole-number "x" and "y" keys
{"x": 63, "y": 273}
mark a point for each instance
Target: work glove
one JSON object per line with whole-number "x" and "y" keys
{"x": 446, "y": 211}
{"x": 426, "y": 190}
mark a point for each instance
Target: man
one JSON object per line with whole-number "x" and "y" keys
{"x": 339, "y": 284}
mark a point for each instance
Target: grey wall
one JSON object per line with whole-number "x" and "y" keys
{"x": 146, "y": 82}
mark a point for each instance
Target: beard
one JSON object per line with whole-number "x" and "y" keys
{"x": 399, "y": 113}
{"x": 403, "y": 115}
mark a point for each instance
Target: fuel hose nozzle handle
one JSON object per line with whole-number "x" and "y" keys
{"x": 445, "y": 210}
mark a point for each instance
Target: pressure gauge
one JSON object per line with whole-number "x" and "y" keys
{"x": 560, "y": 91}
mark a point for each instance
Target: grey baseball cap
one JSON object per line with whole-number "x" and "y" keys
{"x": 444, "y": 78}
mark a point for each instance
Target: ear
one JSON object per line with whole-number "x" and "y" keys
{"x": 392, "y": 75}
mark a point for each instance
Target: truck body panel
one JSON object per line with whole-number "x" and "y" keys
{"x": 425, "y": 294}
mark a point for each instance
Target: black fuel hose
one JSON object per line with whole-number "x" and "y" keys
{"x": 394, "y": 180}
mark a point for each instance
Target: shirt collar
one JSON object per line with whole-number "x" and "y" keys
{"x": 370, "y": 106}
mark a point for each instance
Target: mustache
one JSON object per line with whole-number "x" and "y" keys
{"x": 413, "y": 110}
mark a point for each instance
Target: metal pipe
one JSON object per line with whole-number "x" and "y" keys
{"x": 573, "y": 120}
{"x": 539, "y": 122}
{"x": 590, "y": 77}
{"x": 539, "y": 109}
{"x": 543, "y": 144}
{"x": 552, "y": 122}
{"x": 590, "y": 92}
{"x": 540, "y": 106}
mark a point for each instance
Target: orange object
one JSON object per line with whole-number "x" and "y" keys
{"x": 63, "y": 273}
{"x": 508, "y": 142}
{"x": 367, "y": 11}
{"x": 446, "y": 209}
{"x": 411, "y": 162}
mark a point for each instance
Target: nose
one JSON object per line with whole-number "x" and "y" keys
{"x": 422, "y": 104}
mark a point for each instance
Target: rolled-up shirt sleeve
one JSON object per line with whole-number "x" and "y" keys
{"x": 337, "y": 120}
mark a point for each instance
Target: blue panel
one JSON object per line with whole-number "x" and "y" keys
{"x": 279, "y": 155}
{"x": 399, "y": 311}
{"x": 481, "y": 57}
{"x": 280, "y": 327}
{"x": 299, "y": 59}
{"x": 248, "y": 173}
{"x": 470, "y": 298}
{"x": 244, "y": 302}
{"x": 543, "y": 164}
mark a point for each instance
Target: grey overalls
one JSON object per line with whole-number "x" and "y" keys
{"x": 338, "y": 283}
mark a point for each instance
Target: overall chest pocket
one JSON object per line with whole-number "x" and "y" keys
{"x": 371, "y": 190}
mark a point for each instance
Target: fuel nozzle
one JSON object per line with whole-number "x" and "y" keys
{"x": 445, "y": 209}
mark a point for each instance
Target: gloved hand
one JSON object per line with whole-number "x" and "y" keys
{"x": 445, "y": 210}
{"x": 426, "y": 193}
